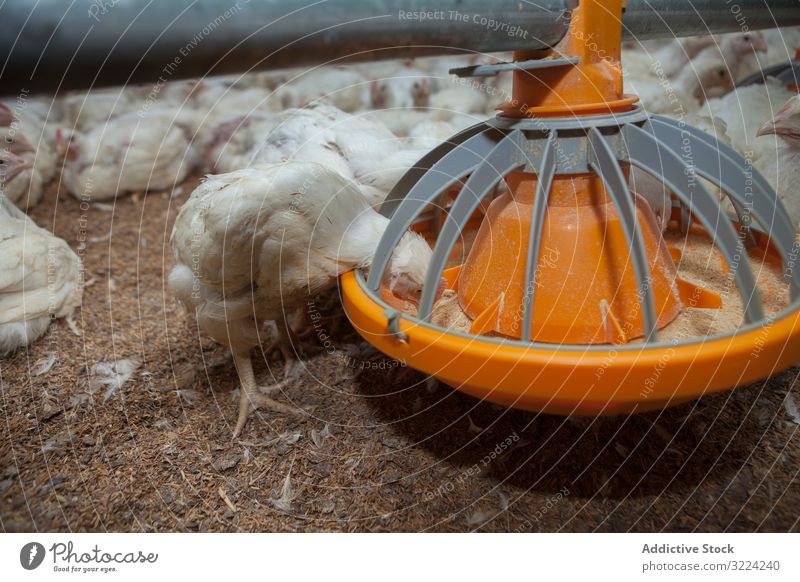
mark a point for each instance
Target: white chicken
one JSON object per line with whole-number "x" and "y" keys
{"x": 137, "y": 151}
{"x": 214, "y": 99}
{"x": 745, "y": 110}
{"x": 29, "y": 136}
{"x": 399, "y": 121}
{"x": 684, "y": 94}
{"x": 254, "y": 244}
{"x": 86, "y": 111}
{"x": 11, "y": 166}
{"x": 355, "y": 147}
{"x": 781, "y": 44}
{"x": 430, "y": 133}
{"x": 781, "y": 166}
{"x": 458, "y": 100}
{"x": 235, "y": 140}
{"x": 342, "y": 87}
{"x": 733, "y": 49}
{"x": 670, "y": 58}
{"x": 40, "y": 276}
{"x": 406, "y": 88}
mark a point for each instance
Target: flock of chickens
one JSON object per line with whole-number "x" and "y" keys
{"x": 297, "y": 163}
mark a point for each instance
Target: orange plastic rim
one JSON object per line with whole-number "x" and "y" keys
{"x": 579, "y": 380}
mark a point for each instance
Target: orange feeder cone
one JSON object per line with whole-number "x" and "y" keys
{"x": 585, "y": 289}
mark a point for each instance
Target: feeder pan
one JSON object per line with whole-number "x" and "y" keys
{"x": 578, "y": 336}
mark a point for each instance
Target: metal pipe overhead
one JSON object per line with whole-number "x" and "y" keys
{"x": 51, "y": 45}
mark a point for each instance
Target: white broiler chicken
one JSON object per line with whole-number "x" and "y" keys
{"x": 399, "y": 121}
{"x": 235, "y": 140}
{"x": 149, "y": 151}
{"x": 375, "y": 156}
{"x": 30, "y": 137}
{"x": 406, "y": 88}
{"x": 40, "y": 276}
{"x": 781, "y": 45}
{"x": 745, "y": 110}
{"x": 670, "y": 58}
{"x": 457, "y": 100}
{"x": 684, "y": 94}
{"x": 733, "y": 49}
{"x": 781, "y": 166}
{"x": 430, "y": 133}
{"x": 11, "y": 166}
{"x": 342, "y": 87}
{"x": 355, "y": 147}
{"x": 255, "y": 244}
{"x": 216, "y": 98}
{"x": 87, "y": 111}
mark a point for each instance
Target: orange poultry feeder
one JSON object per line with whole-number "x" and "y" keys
{"x": 569, "y": 282}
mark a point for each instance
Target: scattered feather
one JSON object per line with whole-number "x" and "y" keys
{"x": 503, "y": 500}
{"x": 791, "y": 409}
{"x": 177, "y": 192}
{"x": 474, "y": 428}
{"x": 431, "y": 384}
{"x": 104, "y": 207}
{"x": 291, "y": 437}
{"x": 479, "y": 518}
{"x": 188, "y": 396}
{"x": 44, "y": 365}
{"x": 318, "y": 437}
{"x": 112, "y": 375}
{"x": 284, "y": 502}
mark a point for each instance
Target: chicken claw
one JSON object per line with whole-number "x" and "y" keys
{"x": 251, "y": 397}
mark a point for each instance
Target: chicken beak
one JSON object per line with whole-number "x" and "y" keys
{"x": 760, "y": 44}
{"x": 13, "y": 166}
{"x": 780, "y": 125}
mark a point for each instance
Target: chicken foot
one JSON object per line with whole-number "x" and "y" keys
{"x": 251, "y": 397}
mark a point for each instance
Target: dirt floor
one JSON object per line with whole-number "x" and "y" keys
{"x": 379, "y": 447}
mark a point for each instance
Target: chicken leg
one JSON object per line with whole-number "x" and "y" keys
{"x": 284, "y": 341}
{"x": 251, "y": 397}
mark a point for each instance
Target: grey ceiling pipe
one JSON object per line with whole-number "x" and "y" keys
{"x": 52, "y": 45}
